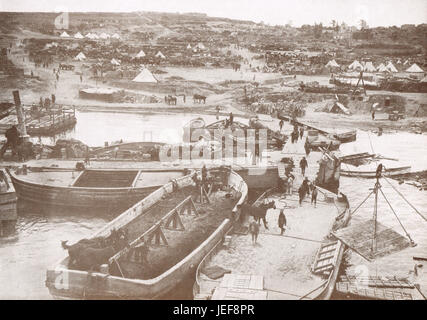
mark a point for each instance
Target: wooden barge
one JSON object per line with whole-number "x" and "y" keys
{"x": 91, "y": 189}
{"x": 8, "y": 199}
{"x": 175, "y": 236}
{"x": 301, "y": 264}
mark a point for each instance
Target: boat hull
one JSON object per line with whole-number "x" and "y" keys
{"x": 372, "y": 174}
{"x": 83, "y": 198}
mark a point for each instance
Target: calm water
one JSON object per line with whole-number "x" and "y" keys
{"x": 24, "y": 259}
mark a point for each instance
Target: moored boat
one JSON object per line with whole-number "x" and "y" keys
{"x": 347, "y": 136}
{"x": 301, "y": 263}
{"x": 372, "y": 173}
{"x": 176, "y": 233}
{"x": 90, "y": 189}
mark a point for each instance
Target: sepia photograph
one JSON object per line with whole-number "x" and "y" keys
{"x": 213, "y": 150}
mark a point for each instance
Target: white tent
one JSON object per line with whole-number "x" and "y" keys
{"x": 145, "y": 76}
{"x": 369, "y": 67}
{"x": 201, "y": 46}
{"x": 115, "y": 62}
{"x": 382, "y": 68}
{"x": 94, "y": 36}
{"x": 332, "y": 64}
{"x": 115, "y": 36}
{"x": 89, "y": 35}
{"x": 390, "y": 67}
{"x": 78, "y": 35}
{"x": 414, "y": 69}
{"x": 64, "y": 35}
{"x": 80, "y": 57}
{"x": 160, "y": 55}
{"x": 140, "y": 54}
{"x": 355, "y": 65}
{"x": 189, "y": 46}
{"x": 104, "y": 35}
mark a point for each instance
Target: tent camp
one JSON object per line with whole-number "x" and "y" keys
{"x": 115, "y": 62}
{"x": 332, "y": 64}
{"x": 78, "y": 35}
{"x": 160, "y": 55}
{"x": 80, "y": 57}
{"x": 104, "y": 35}
{"x": 64, "y": 35}
{"x": 140, "y": 54}
{"x": 390, "y": 67}
{"x": 382, "y": 68}
{"x": 355, "y": 65}
{"x": 115, "y": 36}
{"x": 145, "y": 76}
{"x": 369, "y": 67}
{"x": 414, "y": 69}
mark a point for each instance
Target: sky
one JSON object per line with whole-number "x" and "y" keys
{"x": 273, "y": 12}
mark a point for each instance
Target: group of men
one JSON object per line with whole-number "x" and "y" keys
{"x": 297, "y": 134}
{"x": 305, "y": 189}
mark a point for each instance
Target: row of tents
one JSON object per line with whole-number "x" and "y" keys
{"x": 92, "y": 36}
{"x": 81, "y": 56}
{"x": 369, "y": 67}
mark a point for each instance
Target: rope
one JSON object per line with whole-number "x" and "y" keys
{"x": 354, "y": 211}
{"x": 398, "y": 192}
{"x": 370, "y": 142}
{"x": 407, "y": 234}
{"x": 293, "y": 237}
{"x": 323, "y": 284}
{"x": 287, "y": 293}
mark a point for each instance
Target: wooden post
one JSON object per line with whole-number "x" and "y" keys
{"x": 20, "y": 115}
{"x": 374, "y": 240}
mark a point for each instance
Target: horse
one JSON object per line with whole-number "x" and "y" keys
{"x": 197, "y": 98}
{"x": 170, "y": 100}
{"x": 258, "y": 212}
{"x": 89, "y": 258}
{"x": 97, "y": 243}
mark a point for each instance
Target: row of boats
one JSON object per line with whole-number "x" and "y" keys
{"x": 187, "y": 239}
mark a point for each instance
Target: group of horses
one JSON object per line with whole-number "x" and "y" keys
{"x": 89, "y": 254}
{"x": 170, "y": 100}
{"x": 197, "y": 98}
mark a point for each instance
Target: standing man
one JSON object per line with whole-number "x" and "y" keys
{"x": 303, "y": 164}
{"x": 231, "y": 118}
{"x": 314, "y": 195}
{"x": 290, "y": 183}
{"x": 12, "y": 135}
{"x": 307, "y": 147}
{"x": 281, "y": 124}
{"x": 301, "y": 132}
{"x": 281, "y": 222}
{"x": 254, "y": 230}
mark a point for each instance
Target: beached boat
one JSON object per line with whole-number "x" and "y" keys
{"x": 176, "y": 233}
{"x": 347, "y": 136}
{"x": 145, "y": 150}
{"x": 372, "y": 173}
{"x": 8, "y": 213}
{"x": 303, "y": 263}
{"x": 92, "y": 189}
